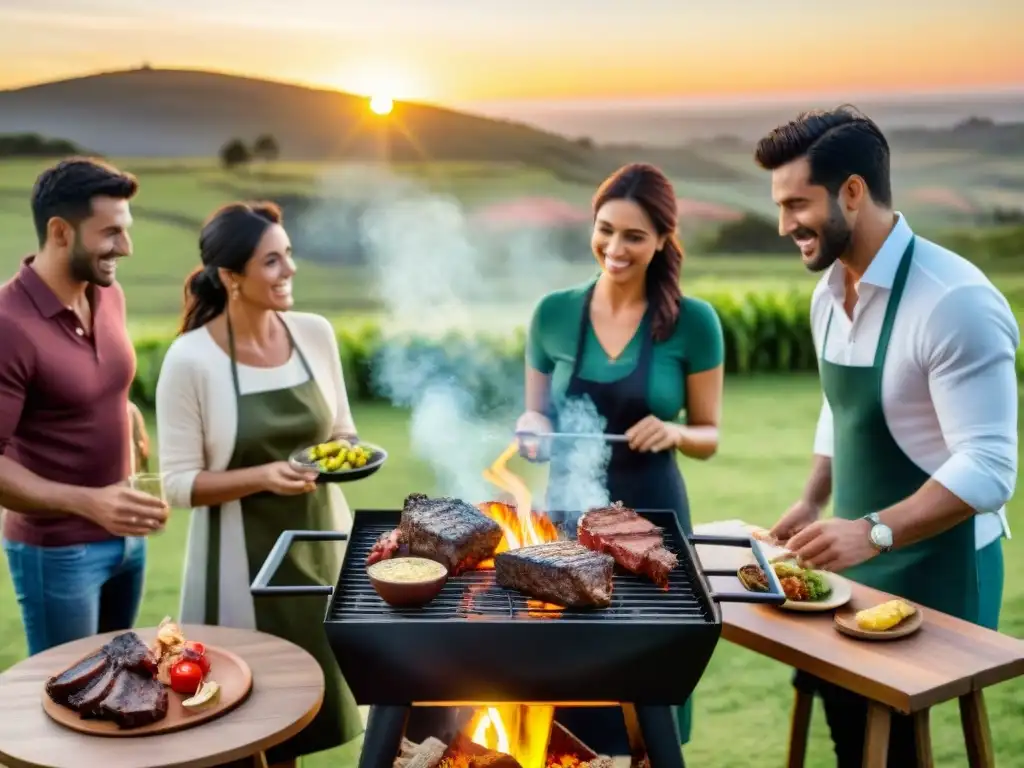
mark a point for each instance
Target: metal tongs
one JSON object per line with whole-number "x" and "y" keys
{"x": 606, "y": 437}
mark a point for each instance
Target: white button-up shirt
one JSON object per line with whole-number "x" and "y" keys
{"x": 949, "y": 384}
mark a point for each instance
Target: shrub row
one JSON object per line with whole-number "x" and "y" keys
{"x": 764, "y": 333}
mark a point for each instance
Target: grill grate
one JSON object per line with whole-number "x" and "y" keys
{"x": 474, "y": 596}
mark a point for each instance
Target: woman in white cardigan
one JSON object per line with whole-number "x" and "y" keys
{"x": 245, "y": 384}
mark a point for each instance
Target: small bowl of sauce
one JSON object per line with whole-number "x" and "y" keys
{"x": 406, "y": 582}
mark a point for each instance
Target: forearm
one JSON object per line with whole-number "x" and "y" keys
{"x": 213, "y": 488}
{"x": 818, "y": 489}
{"x": 24, "y": 491}
{"x": 697, "y": 442}
{"x": 929, "y": 512}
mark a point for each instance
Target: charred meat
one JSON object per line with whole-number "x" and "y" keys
{"x": 114, "y": 683}
{"x": 447, "y": 530}
{"x": 635, "y": 542}
{"x": 561, "y": 572}
{"x": 134, "y": 700}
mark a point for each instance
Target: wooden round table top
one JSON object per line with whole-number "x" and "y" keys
{"x": 287, "y": 691}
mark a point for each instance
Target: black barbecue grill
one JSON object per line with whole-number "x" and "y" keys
{"x": 478, "y": 642}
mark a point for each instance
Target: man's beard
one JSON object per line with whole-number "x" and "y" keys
{"x": 833, "y": 239}
{"x": 85, "y": 265}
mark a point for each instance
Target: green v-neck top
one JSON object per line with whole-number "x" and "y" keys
{"x": 696, "y": 345}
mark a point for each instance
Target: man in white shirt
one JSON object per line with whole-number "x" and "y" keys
{"x": 917, "y": 439}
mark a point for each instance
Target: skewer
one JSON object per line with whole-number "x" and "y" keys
{"x": 607, "y": 437}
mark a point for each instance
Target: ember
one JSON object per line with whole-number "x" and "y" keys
{"x": 505, "y": 736}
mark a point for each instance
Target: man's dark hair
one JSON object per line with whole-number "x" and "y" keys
{"x": 838, "y": 143}
{"x": 66, "y": 190}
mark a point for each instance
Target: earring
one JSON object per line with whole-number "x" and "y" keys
{"x": 234, "y": 290}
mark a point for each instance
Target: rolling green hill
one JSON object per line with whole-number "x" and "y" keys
{"x": 165, "y": 113}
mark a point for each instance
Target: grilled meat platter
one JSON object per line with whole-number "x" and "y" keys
{"x": 568, "y": 573}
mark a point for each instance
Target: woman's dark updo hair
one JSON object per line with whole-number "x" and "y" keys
{"x": 648, "y": 187}
{"x": 227, "y": 241}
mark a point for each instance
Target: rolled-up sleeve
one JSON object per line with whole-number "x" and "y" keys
{"x": 179, "y": 426}
{"x": 970, "y": 347}
{"x": 823, "y": 440}
{"x": 16, "y": 364}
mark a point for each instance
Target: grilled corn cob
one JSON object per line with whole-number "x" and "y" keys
{"x": 884, "y": 616}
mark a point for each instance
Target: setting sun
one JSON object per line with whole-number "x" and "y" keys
{"x": 381, "y": 105}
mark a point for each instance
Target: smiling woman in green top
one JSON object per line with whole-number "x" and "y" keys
{"x": 641, "y": 353}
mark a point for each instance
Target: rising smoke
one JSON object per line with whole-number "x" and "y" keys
{"x": 436, "y": 274}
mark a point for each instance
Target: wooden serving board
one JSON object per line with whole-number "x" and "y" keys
{"x": 228, "y": 670}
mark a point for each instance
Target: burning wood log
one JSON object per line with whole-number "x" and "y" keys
{"x": 425, "y": 755}
{"x": 464, "y": 753}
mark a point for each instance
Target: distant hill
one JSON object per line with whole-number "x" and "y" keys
{"x": 164, "y": 113}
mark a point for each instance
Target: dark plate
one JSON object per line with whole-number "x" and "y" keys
{"x": 378, "y": 456}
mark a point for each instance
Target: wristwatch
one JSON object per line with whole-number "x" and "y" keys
{"x": 881, "y": 534}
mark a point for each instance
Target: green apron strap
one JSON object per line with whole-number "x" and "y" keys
{"x": 898, "y": 284}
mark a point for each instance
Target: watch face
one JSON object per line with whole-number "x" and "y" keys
{"x": 881, "y": 536}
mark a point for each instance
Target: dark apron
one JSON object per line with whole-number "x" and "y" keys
{"x": 638, "y": 480}
{"x": 870, "y": 473}
{"x": 270, "y": 426}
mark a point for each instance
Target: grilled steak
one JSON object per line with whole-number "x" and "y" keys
{"x": 135, "y": 700}
{"x": 634, "y": 541}
{"x": 448, "y": 530}
{"x": 114, "y": 683}
{"x": 561, "y": 572}
{"x": 87, "y": 700}
{"x": 76, "y": 677}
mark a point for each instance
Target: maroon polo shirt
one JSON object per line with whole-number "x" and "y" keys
{"x": 63, "y": 398}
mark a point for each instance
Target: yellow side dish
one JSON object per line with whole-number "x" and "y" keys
{"x": 884, "y": 616}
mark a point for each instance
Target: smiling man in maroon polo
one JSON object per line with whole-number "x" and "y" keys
{"x": 73, "y": 532}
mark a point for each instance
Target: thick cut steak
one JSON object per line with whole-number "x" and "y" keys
{"x": 449, "y": 531}
{"x": 114, "y": 683}
{"x": 634, "y": 541}
{"x": 77, "y": 677}
{"x": 135, "y": 700}
{"x": 561, "y": 572}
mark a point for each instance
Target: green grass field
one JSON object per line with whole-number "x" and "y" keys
{"x": 743, "y": 701}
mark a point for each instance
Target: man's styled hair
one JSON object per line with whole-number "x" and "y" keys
{"x": 838, "y": 143}
{"x": 66, "y": 190}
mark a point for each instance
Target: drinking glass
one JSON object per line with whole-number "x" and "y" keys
{"x": 151, "y": 483}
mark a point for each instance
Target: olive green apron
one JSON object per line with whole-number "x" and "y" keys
{"x": 870, "y": 472}
{"x": 270, "y": 426}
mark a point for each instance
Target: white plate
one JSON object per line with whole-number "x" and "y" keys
{"x": 841, "y": 594}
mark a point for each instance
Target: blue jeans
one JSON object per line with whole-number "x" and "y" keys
{"x": 66, "y": 593}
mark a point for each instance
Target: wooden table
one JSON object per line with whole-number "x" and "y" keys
{"x": 287, "y": 691}
{"x": 946, "y": 659}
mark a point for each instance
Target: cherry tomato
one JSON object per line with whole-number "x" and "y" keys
{"x": 196, "y": 646}
{"x": 190, "y": 654}
{"x": 186, "y": 677}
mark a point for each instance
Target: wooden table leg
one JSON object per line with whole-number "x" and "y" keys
{"x": 876, "y": 736}
{"x": 799, "y": 727}
{"x": 923, "y": 739}
{"x": 974, "y": 718}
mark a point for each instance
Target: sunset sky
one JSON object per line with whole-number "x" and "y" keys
{"x": 469, "y": 51}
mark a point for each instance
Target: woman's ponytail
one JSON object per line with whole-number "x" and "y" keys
{"x": 663, "y": 291}
{"x": 205, "y": 298}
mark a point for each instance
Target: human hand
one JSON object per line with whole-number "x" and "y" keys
{"x": 282, "y": 478}
{"x": 652, "y": 435}
{"x": 797, "y": 517}
{"x": 533, "y": 448}
{"x": 834, "y": 544}
{"x": 123, "y": 511}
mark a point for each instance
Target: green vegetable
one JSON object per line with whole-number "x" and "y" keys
{"x": 817, "y": 586}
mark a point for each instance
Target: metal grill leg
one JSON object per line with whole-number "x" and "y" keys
{"x": 653, "y": 730}
{"x": 385, "y": 729}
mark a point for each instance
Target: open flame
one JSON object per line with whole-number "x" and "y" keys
{"x": 520, "y": 731}
{"x": 520, "y": 524}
